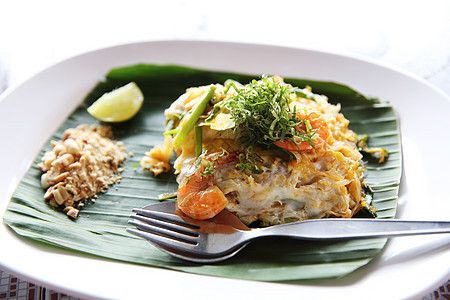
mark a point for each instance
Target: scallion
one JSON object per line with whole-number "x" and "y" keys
{"x": 188, "y": 122}
{"x": 198, "y": 140}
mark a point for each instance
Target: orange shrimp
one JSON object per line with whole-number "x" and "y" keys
{"x": 318, "y": 125}
{"x": 197, "y": 195}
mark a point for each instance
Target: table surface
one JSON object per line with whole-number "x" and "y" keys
{"x": 413, "y": 36}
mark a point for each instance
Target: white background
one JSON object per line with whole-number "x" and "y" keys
{"x": 411, "y": 35}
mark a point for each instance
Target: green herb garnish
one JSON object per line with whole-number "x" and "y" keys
{"x": 262, "y": 114}
{"x": 248, "y": 160}
{"x": 210, "y": 162}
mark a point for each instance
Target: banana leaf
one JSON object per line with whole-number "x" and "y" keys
{"x": 99, "y": 229}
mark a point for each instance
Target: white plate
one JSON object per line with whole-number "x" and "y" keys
{"x": 408, "y": 267}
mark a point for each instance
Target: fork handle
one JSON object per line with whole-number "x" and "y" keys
{"x": 355, "y": 228}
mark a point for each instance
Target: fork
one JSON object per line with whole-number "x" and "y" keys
{"x": 209, "y": 241}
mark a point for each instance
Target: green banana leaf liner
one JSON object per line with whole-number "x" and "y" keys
{"x": 100, "y": 227}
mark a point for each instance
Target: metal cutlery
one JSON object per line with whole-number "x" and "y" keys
{"x": 223, "y": 236}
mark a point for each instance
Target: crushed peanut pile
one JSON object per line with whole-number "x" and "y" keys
{"x": 85, "y": 162}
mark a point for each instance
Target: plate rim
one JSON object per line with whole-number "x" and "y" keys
{"x": 352, "y": 56}
{"x": 13, "y": 89}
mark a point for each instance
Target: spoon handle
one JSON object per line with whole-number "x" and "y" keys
{"x": 355, "y": 228}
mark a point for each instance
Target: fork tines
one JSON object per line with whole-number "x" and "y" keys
{"x": 164, "y": 229}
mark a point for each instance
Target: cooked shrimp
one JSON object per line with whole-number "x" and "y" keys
{"x": 318, "y": 126}
{"x": 197, "y": 195}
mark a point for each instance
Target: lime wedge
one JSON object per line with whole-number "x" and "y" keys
{"x": 118, "y": 105}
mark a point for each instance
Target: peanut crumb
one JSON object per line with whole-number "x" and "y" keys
{"x": 85, "y": 162}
